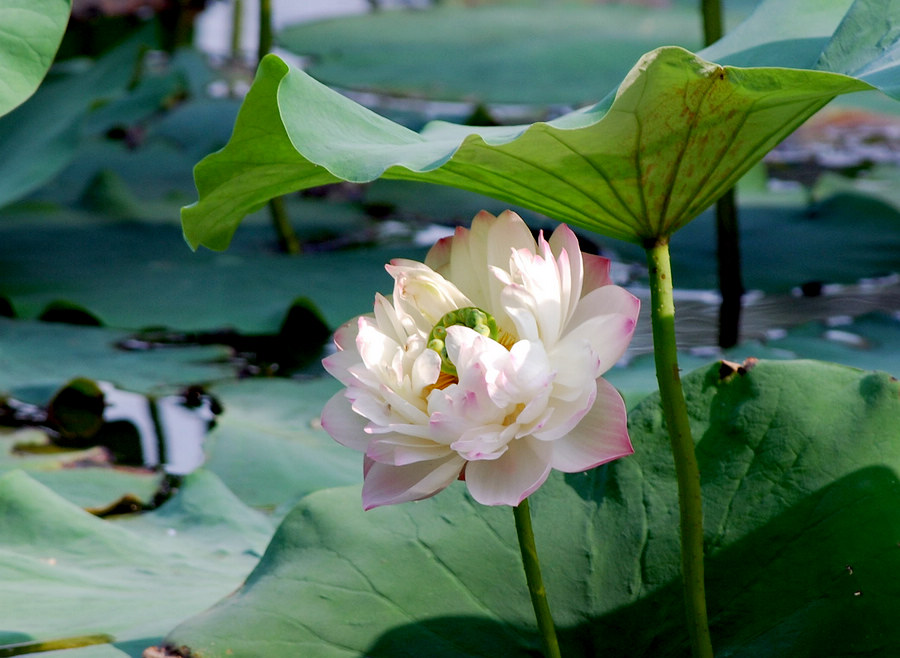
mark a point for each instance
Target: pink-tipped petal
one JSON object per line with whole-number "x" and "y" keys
{"x": 607, "y": 300}
{"x": 596, "y": 273}
{"x": 469, "y": 261}
{"x": 511, "y": 478}
{"x": 343, "y": 424}
{"x": 600, "y": 437}
{"x": 438, "y": 257}
{"x": 345, "y": 335}
{"x": 338, "y": 365}
{"x": 564, "y": 244}
{"x": 387, "y": 485}
{"x": 605, "y": 319}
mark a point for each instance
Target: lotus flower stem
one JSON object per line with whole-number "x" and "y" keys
{"x": 535, "y": 581}
{"x": 662, "y": 313}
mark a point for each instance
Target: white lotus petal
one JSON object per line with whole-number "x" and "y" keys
{"x": 511, "y": 478}
{"x": 343, "y": 424}
{"x": 564, "y": 245}
{"x": 565, "y": 416}
{"x": 339, "y": 363}
{"x": 387, "y": 485}
{"x": 388, "y": 320}
{"x": 422, "y": 292}
{"x": 600, "y": 437}
{"x": 399, "y": 449}
{"x": 516, "y": 406}
{"x": 425, "y": 371}
{"x": 607, "y": 338}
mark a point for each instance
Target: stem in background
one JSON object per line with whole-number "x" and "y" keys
{"x": 237, "y": 21}
{"x": 727, "y": 236}
{"x": 535, "y": 581}
{"x": 287, "y": 238}
{"x": 662, "y": 314}
{"x": 731, "y": 284}
{"x": 712, "y": 20}
{"x": 265, "y": 29}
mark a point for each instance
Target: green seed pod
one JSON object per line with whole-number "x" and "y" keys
{"x": 471, "y": 317}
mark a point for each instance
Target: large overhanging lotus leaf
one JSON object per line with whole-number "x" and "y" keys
{"x": 30, "y": 34}
{"x": 678, "y": 133}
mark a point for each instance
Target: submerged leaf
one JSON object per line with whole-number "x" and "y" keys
{"x": 679, "y": 132}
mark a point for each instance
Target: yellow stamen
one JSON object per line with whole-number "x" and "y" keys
{"x": 506, "y": 339}
{"x": 444, "y": 380}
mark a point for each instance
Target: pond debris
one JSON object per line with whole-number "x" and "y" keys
{"x": 131, "y": 504}
{"x": 167, "y": 651}
{"x": 728, "y": 369}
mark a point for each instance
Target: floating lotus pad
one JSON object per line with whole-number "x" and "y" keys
{"x": 800, "y": 523}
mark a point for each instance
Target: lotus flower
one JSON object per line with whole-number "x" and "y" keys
{"x": 484, "y": 365}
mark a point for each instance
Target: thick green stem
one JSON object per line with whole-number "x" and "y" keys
{"x": 662, "y": 314}
{"x": 535, "y": 581}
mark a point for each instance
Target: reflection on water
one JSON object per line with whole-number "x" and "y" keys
{"x": 767, "y": 317}
{"x": 161, "y": 433}
{"x": 171, "y": 429}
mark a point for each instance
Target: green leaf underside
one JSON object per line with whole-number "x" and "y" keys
{"x": 799, "y": 462}
{"x": 32, "y": 31}
{"x": 679, "y": 132}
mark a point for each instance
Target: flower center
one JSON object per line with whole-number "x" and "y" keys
{"x": 471, "y": 317}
